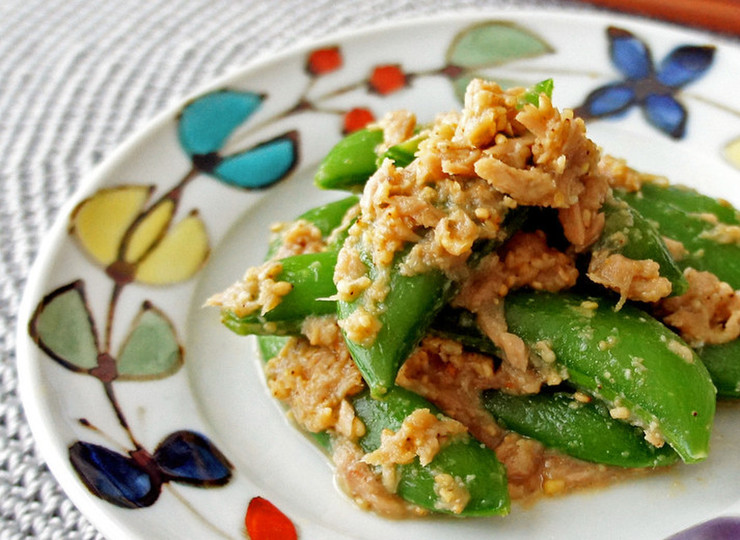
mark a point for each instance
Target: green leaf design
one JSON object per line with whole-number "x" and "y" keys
{"x": 494, "y": 43}
{"x": 151, "y": 350}
{"x": 63, "y": 328}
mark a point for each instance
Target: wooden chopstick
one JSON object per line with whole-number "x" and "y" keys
{"x": 716, "y": 15}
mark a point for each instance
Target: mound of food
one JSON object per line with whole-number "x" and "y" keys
{"x": 496, "y": 311}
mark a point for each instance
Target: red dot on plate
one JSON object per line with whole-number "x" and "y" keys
{"x": 387, "y": 79}
{"x": 323, "y": 61}
{"x": 357, "y": 118}
{"x": 265, "y": 522}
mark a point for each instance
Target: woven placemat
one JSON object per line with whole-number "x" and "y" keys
{"x": 78, "y": 77}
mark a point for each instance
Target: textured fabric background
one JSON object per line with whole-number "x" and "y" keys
{"x": 78, "y": 77}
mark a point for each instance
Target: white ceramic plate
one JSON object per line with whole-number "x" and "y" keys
{"x": 120, "y": 265}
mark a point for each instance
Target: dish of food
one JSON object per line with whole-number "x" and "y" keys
{"x": 158, "y": 420}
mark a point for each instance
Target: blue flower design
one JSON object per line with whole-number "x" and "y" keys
{"x": 653, "y": 89}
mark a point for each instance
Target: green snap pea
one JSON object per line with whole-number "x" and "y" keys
{"x": 723, "y": 363}
{"x": 465, "y": 459}
{"x": 407, "y": 311}
{"x": 326, "y": 218}
{"x": 692, "y": 229}
{"x": 270, "y": 345}
{"x": 588, "y": 433}
{"x": 355, "y": 158}
{"x": 329, "y": 216}
{"x": 418, "y": 298}
{"x": 583, "y": 430}
{"x": 680, "y": 214}
{"x": 631, "y": 361}
{"x": 403, "y": 153}
{"x": 690, "y": 201}
{"x": 627, "y": 232}
{"x": 532, "y": 95}
{"x": 461, "y": 325}
{"x": 312, "y": 278}
{"x": 351, "y": 161}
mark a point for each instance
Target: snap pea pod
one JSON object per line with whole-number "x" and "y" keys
{"x": 628, "y": 233}
{"x": 311, "y": 277}
{"x": 681, "y": 215}
{"x": 690, "y": 201}
{"x": 583, "y": 430}
{"x": 532, "y": 95}
{"x": 326, "y": 218}
{"x": 403, "y": 153}
{"x": 641, "y": 369}
{"x": 329, "y": 216}
{"x": 420, "y": 297}
{"x": 351, "y": 161}
{"x": 270, "y": 345}
{"x": 688, "y": 225}
{"x": 723, "y": 363}
{"x": 356, "y": 157}
{"x": 465, "y": 459}
{"x": 461, "y": 325}
{"x": 406, "y": 312}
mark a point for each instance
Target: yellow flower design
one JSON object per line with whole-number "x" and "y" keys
{"x": 732, "y": 152}
{"x": 134, "y": 242}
